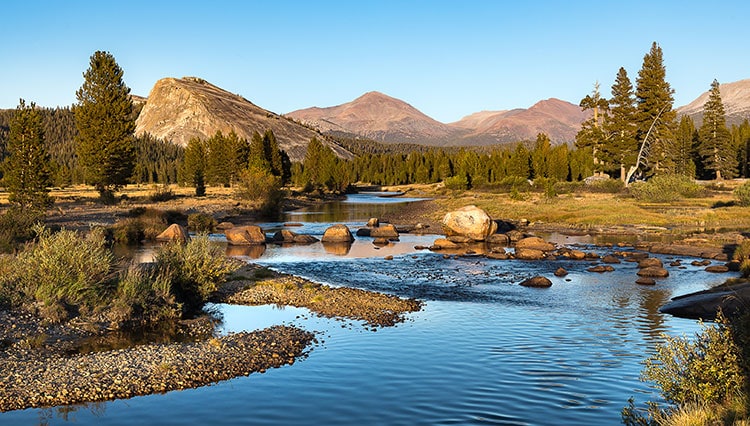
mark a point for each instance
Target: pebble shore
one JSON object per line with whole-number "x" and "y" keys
{"x": 29, "y": 379}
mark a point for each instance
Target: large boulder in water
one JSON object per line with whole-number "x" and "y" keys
{"x": 174, "y": 232}
{"x": 731, "y": 300}
{"x": 469, "y": 221}
{"x": 538, "y": 281}
{"x": 384, "y": 231}
{"x": 337, "y": 234}
{"x": 245, "y": 235}
{"x": 289, "y": 237}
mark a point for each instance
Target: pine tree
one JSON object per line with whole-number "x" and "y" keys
{"x": 105, "y": 123}
{"x": 621, "y": 147}
{"x": 540, "y": 156}
{"x": 273, "y": 153}
{"x": 715, "y": 141}
{"x": 685, "y": 138}
{"x": 591, "y": 137}
{"x": 654, "y": 105}
{"x": 194, "y": 165}
{"x": 27, "y": 167}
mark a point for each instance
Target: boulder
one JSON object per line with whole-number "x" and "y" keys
{"x": 374, "y": 222}
{"x": 610, "y": 259}
{"x": 537, "y": 281}
{"x": 529, "y": 254}
{"x": 705, "y": 304}
{"x": 363, "y": 232}
{"x": 719, "y": 269}
{"x": 224, "y": 226}
{"x": 575, "y": 254}
{"x": 287, "y": 236}
{"x": 653, "y": 271}
{"x": 460, "y": 239}
{"x": 304, "y": 239}
{"x": 337, "y": 234}
{"x": 499, "y": 239}
{"x": 700, "y": 262}
{"x": 384, "y": 231}
{"x": 534, "y": 243}
{"x": 380, "y": 241}
{"x": 174, "y": 232}
{"x": 650, "y": 262}
{"x": 245, "y": 235}
{"x": 561, "y": 272}
{"x": 645, "y": 281}
{"x": 443, "y": 243}
{"x": 497, "y": 255}
{"x": 469, "y": 221}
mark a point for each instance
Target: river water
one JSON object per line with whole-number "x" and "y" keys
{"x": 483, "y": 350}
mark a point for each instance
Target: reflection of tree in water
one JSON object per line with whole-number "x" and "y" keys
{"x": 65, "y": 412}
{"x": 649, "y": 315}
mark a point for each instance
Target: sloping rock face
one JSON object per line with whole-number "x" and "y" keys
{"x": 469, "y": 221}
{"x": 180, "y": 109}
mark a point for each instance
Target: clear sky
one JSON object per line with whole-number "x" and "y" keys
{"x": 446, "y": 58}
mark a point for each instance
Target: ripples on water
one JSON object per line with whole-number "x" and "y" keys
{"x": 483, "y": 349}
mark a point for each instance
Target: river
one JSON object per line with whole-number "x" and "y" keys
{"x": 483, "y": 350}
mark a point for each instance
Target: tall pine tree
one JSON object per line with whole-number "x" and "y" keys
{"x": 654, "y": 105}
{"x": 715, "y": 141}
{"x": 105, "y": 122}
{"x": 621, "y": 147}
{"x": 27, "y": 167}
{"x": 591, "y": 137}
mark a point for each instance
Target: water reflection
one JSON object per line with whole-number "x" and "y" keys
{"x": 338, "y": 249}
{"x": 255, "y": 251}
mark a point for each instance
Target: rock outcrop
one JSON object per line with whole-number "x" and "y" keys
{"x": 180, "y": 109}
{"x": 245, "y": 235}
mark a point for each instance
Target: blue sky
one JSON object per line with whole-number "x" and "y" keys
{"x": 446, "y": 58}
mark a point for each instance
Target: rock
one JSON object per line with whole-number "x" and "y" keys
{"x": 591, "y": 256}
{"x": 287, "y": 236}
{"x": 460, "y": 239}
{"x": 245, "y": 235}
{"x": 443, "y": 243}
{"x": 515, "y": 235}
{"x": 734, "y": 265}
{"x": 224, "y": 226}
{"x": 374, "y": 222}
{"x": 469, "y": 221}
{"x": 174, "y": 232}
{"x": 529, "y": 254}
{"x": 719, "y": 269}
{"x": 294, "y": 224}
{"x": 363, "y": 232}
{"x": 635, "y": 256}
{"x": 610, "y": 259}
{"x": 645, "y": 281}
{"x": 499, "y": 239}
{"x": 561, "y": 272}
{"x": 389, "y": 257}
{"x": 700, "y": 262}
{"x": 537, "y": 281}
{"x": 380, "y": 241}
{"x": 650, "y": 262}
{"x": 304, "y": 239}
{"x": 534, "y": 243}
{"x": 653, "y": 271}
{"x": 497, "y": 256}
{"x": 675, "y": 263}
{"x": 705, "y": 304}
{"x": 421, "y": 228}
{"x": 601, "y": 268}
{"x": 337, "y": 234}
{"x": 384, "y": 231}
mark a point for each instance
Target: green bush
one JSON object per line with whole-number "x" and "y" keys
{"x": 742, "y": 255}
{"x": 742, "y": 193}
{"x": 666, "y": 188}
{"x": 201, "y": 223}
{"x": 196, "y": 267}
{"x": 458, "y": 182}
{"x": 143, "y": 224}
{"x": 162, "y": 193}
{"x": 144, "y": 294}
{"x": 606, "y": 186}
{"x": 262, "y": 189}
{"x": 16, "y": 228}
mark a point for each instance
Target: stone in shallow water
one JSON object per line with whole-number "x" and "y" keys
{"x": 538, "y": 281}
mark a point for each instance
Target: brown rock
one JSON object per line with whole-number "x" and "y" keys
{"x": 224, "y": 225}
{"x": 305, "y": 239}
{"x": 245, "y": 235}
{"x": 284, "y": 236}
{"x": 337, "y": 234}
{"x": 389, "y": 257}
{"x": 534, "y": 243}
{"x": 374, "y": 222}
{"x": 363, "y": 232}
{"x": 469, "y": 221}
{"x": 734, "y": 265}
{"x": 384, "y": 231}
{"x": 496, "y": 255}
{"x": 561, "y": 272}
{"x": 174, "y": 232}
{"x": 705, "y": 262}
{"x": 499, "y": 239}
{"x": 443, "y": 243}
{"x": 537, "y": 281}
{"x": 653, "y": 271}
{"x": 601, "y": 268}
{"x": 380, "y": 241}
{"x": 650, "y": 262}
{"x": 610, "y": 259}
{"x": 719, "y": 269}
{"x": 529, "y": 254}
{"x": 645, "y": 281}
{"x": 460, "y": 239}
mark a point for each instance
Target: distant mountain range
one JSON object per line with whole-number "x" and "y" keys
{"x": 385, "y": 119}
{"x": 736, "y": 99}
{"x": 179, "y": 109}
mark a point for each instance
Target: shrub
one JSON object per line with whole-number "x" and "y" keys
{"x": 742, "y": 193}
{"x": 16, "y": 228}
{"x": 196, "y": 267}
{"x": 144, "y": 224}
{"x": 144, "y": 294}
{"x": 742, "y": 255}
{"x": 201, "y": 223}
{"x": 666, "y": 188}
{"x": 262, "y": 189}
{"x": 458, "y": 182}
{"x": 162, "y": 193}
{"x": 606, "y": 186}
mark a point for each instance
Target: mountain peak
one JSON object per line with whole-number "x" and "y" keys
{"x": 181, "y": 109}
